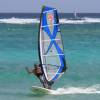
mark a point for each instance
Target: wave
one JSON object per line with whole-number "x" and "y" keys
{"x": 14, "y": 20}
{"x": 84, "y": 20}
{"x": 77, "y": 90}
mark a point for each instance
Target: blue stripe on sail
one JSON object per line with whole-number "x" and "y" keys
{"x": 61, "y": 60}
{"x": 53, "y": 36}
{"x": 44, "y": 21}
{"x": 60, "y": 69}
{"x": 48, "y": 8}
{"x": 62, "y": 63}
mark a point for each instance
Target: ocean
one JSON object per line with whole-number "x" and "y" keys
{"x": 19, "y": 49}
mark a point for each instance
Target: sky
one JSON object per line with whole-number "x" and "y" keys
{"x": 64, "y": 6}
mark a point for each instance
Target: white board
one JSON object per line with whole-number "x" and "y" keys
{"x": 40, "y": 90}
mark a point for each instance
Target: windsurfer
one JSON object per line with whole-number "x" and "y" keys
{"x": 37, "y": 71}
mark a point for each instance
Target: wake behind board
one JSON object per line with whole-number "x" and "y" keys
{"x": 40, "y": 90}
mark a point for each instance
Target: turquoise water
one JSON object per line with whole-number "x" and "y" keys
{"x": 18, "y": 49}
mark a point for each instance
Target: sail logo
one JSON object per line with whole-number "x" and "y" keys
{"x": 50, "y": 17}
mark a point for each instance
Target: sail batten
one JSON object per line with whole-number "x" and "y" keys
{"x": 50, "y": 40}
{"x": 51, "y": 52}
{"x": 49, "y": 11}
{"x": 53, "y": 55}
{"x": 50, "y": 25}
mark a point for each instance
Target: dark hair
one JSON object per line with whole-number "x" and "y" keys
{"x": 35, "y": 65}
{"x": 40, "y": 65}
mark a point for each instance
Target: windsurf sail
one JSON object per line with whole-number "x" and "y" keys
{"x": 51, "y": 51}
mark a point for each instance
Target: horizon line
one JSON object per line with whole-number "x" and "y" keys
{"x": 58, "y": 12}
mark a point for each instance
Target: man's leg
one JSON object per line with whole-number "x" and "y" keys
{"x": 44, "y": 82}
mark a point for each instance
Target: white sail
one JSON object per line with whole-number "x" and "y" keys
{"x": 50, "y": 45}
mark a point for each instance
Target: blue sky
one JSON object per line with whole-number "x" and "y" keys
{"x": 67, "y": 6}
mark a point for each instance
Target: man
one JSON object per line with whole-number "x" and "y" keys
{"x": 37, "y": 71}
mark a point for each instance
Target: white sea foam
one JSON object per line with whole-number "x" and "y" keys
{"x": 82, "y": 21}
{"x": 77, "y": 90}
{"x": 14, "y": 20}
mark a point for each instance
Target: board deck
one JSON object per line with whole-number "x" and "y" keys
{"x": 40, "y": 90}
